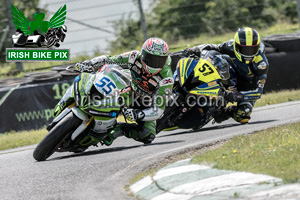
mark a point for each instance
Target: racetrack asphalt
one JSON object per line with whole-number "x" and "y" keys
{"x": 102, "y": 172}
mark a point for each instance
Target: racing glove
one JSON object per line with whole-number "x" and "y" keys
{"x": 83, "y": 67}
{"x": 134, "y": 115}
{"x": 191, "y": 51}
{"x": 233, "y": 96}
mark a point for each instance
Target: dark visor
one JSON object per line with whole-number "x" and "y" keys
{"x": 153, "y": 60}
{"x": 247, "y": 50}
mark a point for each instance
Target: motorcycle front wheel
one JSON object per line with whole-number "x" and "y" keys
{"x": 50, "y": 142}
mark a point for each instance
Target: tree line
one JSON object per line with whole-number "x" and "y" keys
{"x": 176, "y": 19}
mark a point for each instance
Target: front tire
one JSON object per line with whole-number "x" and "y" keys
{"x": 49, "y": 143}
{"x": 162, "y": 123}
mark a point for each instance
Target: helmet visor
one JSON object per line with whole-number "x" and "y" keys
{"x": 247, "y": 50}
{"x": 154, "y": 61}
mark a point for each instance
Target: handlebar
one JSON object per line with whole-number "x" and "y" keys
{"x": 71, "y": 68}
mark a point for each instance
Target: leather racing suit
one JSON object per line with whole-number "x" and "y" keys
{"x": 250, "y": 78}
{"x": 154, "y": 87}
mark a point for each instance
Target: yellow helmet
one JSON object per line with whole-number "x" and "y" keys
{"x": 246, "y": 44}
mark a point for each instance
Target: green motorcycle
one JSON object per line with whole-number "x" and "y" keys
{"x": 87, "y": 112}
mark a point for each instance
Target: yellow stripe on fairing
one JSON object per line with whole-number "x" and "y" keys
{"x": 253, "y": 95}
{"x": 71, "y": 105}
{"x": 187, "y": 68}
{"x": 90, "y": 121}
{"x": 182, "y": 69}
{"x": 170, "y": 129}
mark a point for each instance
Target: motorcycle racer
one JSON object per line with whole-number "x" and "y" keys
{"x": 202, "y": 87}
{"x": 151, "y": 77}
{"x": 250, "y": 65}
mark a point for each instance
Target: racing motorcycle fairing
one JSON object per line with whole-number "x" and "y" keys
{"x": 198, "y": 77}
{"x": 95, "y": 98}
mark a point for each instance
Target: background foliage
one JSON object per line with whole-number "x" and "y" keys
{"x": 181, "y": 23}
{"x": 184, "y": 19}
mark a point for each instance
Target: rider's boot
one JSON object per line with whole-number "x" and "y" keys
{"x": 114, "y": 134}
{"x": 143, "y": 131}
{"x": 243, "y": 112}
{"x": 224, "y": 114}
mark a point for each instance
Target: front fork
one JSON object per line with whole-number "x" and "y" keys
{"x": 86, "y": 121}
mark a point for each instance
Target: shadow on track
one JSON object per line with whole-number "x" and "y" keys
{"x": 186, "y": 131}
{"x": 262, "y": 122}
{"x": 111, "y": 149}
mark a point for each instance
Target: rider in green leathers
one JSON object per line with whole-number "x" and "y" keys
{"x": 151, "y": 81}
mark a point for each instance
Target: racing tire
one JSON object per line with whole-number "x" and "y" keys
{"x": 50, "y": 142}
{"x": 162, "y": 123}
{"x": 284, "y": 42}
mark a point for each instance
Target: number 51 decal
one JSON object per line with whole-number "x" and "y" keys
{"x": 106, "y": 85}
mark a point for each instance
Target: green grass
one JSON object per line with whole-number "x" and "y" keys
{"x": 23, "y": 138}
{"x": 278, "y": 97}
{"x": 273, "y": 151}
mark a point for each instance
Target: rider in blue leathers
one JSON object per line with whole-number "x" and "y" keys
{"x": 250, "y": 65}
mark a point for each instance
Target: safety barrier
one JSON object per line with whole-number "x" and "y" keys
{"x": 30, "y": 106}
{"x": 28, "y": 103}
{"x": 283, "y": 54}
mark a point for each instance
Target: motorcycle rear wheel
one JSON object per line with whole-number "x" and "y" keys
{"x": 50, "y": 142}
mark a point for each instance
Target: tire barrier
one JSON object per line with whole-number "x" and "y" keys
{"x": 10, "y": 82}
{"x": 46, "y": 76}
{"x": 269, "y": 48}
{"x": 284, "y": 71}
{"x": 28, "y": 103}
{"x": 284, "y": 42}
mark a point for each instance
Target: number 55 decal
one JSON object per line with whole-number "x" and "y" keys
{"x": 106, "y": 85}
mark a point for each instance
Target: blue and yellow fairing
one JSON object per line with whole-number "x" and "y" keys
{"x": 198, "y": 77}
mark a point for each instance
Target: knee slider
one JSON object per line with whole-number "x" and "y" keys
{"x": 147, "y": 134}
{"x": 130, "y": 130}
{"x": 147, "y": 139}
